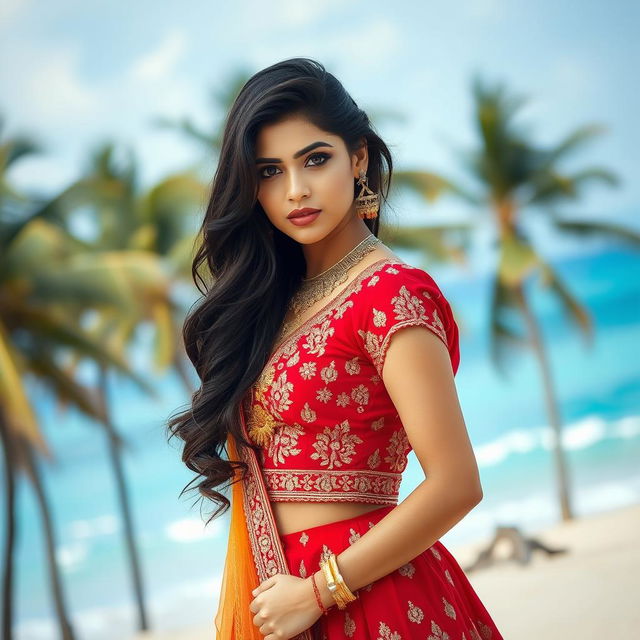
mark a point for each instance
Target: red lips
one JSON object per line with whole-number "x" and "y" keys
{"x": 296, "y": 213}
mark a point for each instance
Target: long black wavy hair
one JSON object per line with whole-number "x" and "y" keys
{"x": 253, "y": 267}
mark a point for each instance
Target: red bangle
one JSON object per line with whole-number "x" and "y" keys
{"x": 317, "y": 594}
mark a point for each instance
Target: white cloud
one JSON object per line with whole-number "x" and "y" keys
{"x": 372, "y": 43}
{"x": 161, "y": 61}
{"x": 48, "y": 88}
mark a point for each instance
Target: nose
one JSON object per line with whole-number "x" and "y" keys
{"x": 297, "y": 187}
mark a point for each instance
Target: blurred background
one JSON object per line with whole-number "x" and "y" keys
{"x": 514, "y": 129}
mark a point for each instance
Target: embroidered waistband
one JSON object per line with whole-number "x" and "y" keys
{"x": 291, "y": 485}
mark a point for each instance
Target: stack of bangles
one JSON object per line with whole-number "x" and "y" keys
{"x": 335, "y": 582}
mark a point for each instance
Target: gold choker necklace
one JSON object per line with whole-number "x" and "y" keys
{"x": 313, "y": 289}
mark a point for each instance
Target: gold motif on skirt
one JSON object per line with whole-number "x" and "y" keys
{"x": 448, "y": 608}
{"x": 349, "y": 625}
{"x": 415, "y": 613}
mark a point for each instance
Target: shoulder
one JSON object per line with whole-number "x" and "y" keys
{"x": 396, "y": 295}
{"x": 399, "y": 278}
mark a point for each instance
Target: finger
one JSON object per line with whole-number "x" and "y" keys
{"x": 269, "y": 582}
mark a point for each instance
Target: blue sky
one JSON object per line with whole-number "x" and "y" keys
{"x": 75, "y": 73}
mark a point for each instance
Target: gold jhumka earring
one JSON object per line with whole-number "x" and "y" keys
{"x": 367, "y": 204}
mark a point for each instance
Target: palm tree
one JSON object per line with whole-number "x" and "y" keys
{"x": 514, "y": 176}
{"x": 148, "y": 232}
{"x": 46, "y": 283}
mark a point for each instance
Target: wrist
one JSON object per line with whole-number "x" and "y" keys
{"x": 325, "y": 595}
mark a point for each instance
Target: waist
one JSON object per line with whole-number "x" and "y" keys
{"x": 357, "y": 485}
{"x": 297, "y": 516}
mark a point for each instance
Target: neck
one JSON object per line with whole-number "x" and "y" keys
{"x": 323, "y": 254}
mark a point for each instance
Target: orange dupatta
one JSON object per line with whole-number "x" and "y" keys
{"x": 248, "y": 562}
{"x": 234, "y": 620}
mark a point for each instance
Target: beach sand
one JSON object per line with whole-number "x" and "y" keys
{"x": 591, "y": 592}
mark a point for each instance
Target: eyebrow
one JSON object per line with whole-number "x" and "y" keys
{"x": 297, "y": 154}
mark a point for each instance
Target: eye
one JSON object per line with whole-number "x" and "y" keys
{"x": 322, "y": 156}
{"x": 269, "y": 166}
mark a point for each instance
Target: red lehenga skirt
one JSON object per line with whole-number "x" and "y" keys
{"x": 429, "y": 598}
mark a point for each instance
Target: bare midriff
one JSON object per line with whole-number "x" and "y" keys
{"x": 296, "y": 516}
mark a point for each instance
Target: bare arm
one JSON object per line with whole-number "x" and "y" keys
{"x": 419, "y": 379}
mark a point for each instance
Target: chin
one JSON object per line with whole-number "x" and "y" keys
{"x": 308, "y": 235}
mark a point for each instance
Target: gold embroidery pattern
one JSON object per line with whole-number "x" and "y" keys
{"x": 373, "y": 461}
{"x": 379, "y": 318}
{"x": 343, "y": 399}
{"x": 448, "y": 608}
{"x": 335, "y": 447}
{"x": 385, "y": 633}
{"x": 304, "y": 538}
{"x": 303, "y": 570}
{"x": 415, "y": 613}
{"x": 360, "y": 394}
{"x": 349, "y": 625}
{"x": 280, "y": 393}
{"x": 307, "y": 413}
{"x": 307, "y": 370}
{"x": 316, "y": 339}
{"x": 354, "y": 536}
{"x": 373, "y": 487}
{"x": 283, "y": 443}
{"x": 407, "y": 570}
{"x": 485, "y": 631}
{"x": 261, "y": 425}
{"x": 329, "y": 374}
{"x": 398, "y": 445}
{"x": 326, "y": 552}
{"x": 352, "y": 367}
{"x": 409, "y": 311}
{"x": 437, "y": 633}
{"x": 323, "y": 395}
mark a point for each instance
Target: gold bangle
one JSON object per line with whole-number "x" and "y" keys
{"x": 331, "y": 584}
{"x": 345, "y": 593}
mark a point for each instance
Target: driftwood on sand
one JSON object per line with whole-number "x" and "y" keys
{"x": 521, "y": 548}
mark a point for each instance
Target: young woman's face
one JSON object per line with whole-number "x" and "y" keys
{"x": 299, "y": 166}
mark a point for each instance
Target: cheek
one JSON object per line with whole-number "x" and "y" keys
{"x": 271, "y": 202}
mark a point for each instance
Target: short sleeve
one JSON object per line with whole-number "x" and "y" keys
{"x": 399, "y": 296}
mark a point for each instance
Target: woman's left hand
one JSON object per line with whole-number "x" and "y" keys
{"x": 285, "y": 606}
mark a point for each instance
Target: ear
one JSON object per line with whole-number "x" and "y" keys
{"x": 360, "y": 158}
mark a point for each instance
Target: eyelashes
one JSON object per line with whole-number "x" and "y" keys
{"x": 324, "y": 156}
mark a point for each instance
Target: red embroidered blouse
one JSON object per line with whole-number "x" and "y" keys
{"x": 327, "y": 428}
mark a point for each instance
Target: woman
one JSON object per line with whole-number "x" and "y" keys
{"x": 324, "y": 360}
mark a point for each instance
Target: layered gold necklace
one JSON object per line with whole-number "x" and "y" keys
{"x": 313, "y": 289}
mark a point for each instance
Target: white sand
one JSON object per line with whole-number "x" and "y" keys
{"x": 590, "y": 593}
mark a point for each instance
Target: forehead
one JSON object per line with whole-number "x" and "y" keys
{"x": 285, "y": 137}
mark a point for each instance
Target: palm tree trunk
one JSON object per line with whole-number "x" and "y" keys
{"x": 551, "y": 402}
{"x": 123, "y": 502}
{"x": 11, "y": 525}
{"x": 66, "y": 631}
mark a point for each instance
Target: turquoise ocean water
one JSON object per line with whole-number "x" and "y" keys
{"x": 599, "y": 393}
